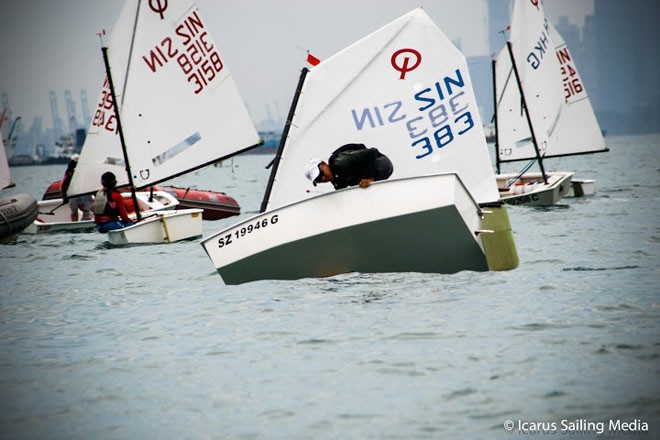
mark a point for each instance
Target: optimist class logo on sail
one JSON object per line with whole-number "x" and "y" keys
{"x": 401, "y": 54}
{"x": 192, "y": 48}
{"x": 159, "y": 7}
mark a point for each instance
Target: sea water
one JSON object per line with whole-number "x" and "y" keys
{"x": 147, "y": 342}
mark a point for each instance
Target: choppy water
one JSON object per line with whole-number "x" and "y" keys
{"x": 146, "y": 341}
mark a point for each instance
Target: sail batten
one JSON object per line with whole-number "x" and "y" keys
{"x": 200, "y": 166}
{"x": 554, "y": 156}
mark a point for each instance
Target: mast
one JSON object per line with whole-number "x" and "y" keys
{"x": 497, "y": 135}
{"x": 524, "y": 103}
{"x": 285, "y": 133}
{"x": 121, "y": 133}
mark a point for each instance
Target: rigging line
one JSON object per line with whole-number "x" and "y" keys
{"x": 52, "y": 211}
{"x": 555, "y": 122}
{"x": 519, "y": 175}
{"x": 120, "y": 131}
{"x": 529, "y": 118}
{"x": 130, "y": 51}
{"x": 504, "y": 87}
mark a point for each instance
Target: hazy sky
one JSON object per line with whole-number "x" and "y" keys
{"x": 52, "y": 44}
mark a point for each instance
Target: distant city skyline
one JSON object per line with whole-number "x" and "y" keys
{"x": 271, "y": 51}
{"x": 54, "y": 46}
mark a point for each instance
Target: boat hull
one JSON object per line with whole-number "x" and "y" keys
{"x": 421, "y": 224}
{"x": 216, "y": 205}
{"x": 16, "y": 213}
{"x": 582, "y": 188}
{"x": 161, "y": 227}
{"x": 54, "y": 191}
{"x": 55, "y": 215}
{"x": 530, "y": 190}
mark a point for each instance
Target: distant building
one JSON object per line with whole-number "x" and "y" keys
{"x": 482, "y": 80}
{"x": 627, "y": 39}
{"x": 616, "y": 52}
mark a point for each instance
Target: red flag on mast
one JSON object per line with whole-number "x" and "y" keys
{"x": 311, "y": 59}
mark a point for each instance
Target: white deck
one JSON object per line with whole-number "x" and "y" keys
{"x": 530, "y": 190}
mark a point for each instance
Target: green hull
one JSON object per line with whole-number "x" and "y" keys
{"x": 434, "y": 241}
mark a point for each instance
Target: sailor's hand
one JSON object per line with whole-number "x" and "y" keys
{"x": 365, "y": 182}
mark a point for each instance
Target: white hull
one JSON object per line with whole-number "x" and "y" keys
{"x": 161, "y": 227}
{"x": 530, "y": 190}
{"x": 55, "y": 215}
{"x": 420, "y": 224}
{"x": 582, "y": 188}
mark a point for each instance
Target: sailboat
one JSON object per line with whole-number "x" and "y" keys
{"x": 54, "y": 215}
{"x": 168, "y": 106}
{"x": 404, "y": 89}
{"x": 542, "y": 110}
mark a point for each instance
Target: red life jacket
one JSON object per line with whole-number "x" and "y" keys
{"x": 105, "y": 209}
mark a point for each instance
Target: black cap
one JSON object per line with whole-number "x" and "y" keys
{"x": 108, "y": 179}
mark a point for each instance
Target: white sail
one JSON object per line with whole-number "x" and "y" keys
{"x": 513, "y": 135}
{"x": 179, "y": 106}
{"x": 576, "y": 130}
{"x": 405, "y": 89}
{"x": 5, "y": 175}
{"x": 533, "y": 52}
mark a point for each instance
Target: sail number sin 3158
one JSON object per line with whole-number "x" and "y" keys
{"x": 192, "y": 48}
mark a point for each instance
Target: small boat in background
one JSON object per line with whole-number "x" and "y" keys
{"x": 140, "y": 138}
{"x": 16, "y": 213}
{"x": 542, "y": 111}
{"x": 216, "y": 205}
{"x": 54, "y": 191}
{"x": 529, "y": 189}
{"x": 54, "y": 215}
{"x": 582, "y": 188}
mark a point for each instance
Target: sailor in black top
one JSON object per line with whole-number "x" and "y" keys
{"x": 350, "y": 165}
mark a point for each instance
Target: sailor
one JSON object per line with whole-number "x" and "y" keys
{"x": 350, "y": 165}
{"x": 84, "y": 203}
{"x": 109, "y": 207}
